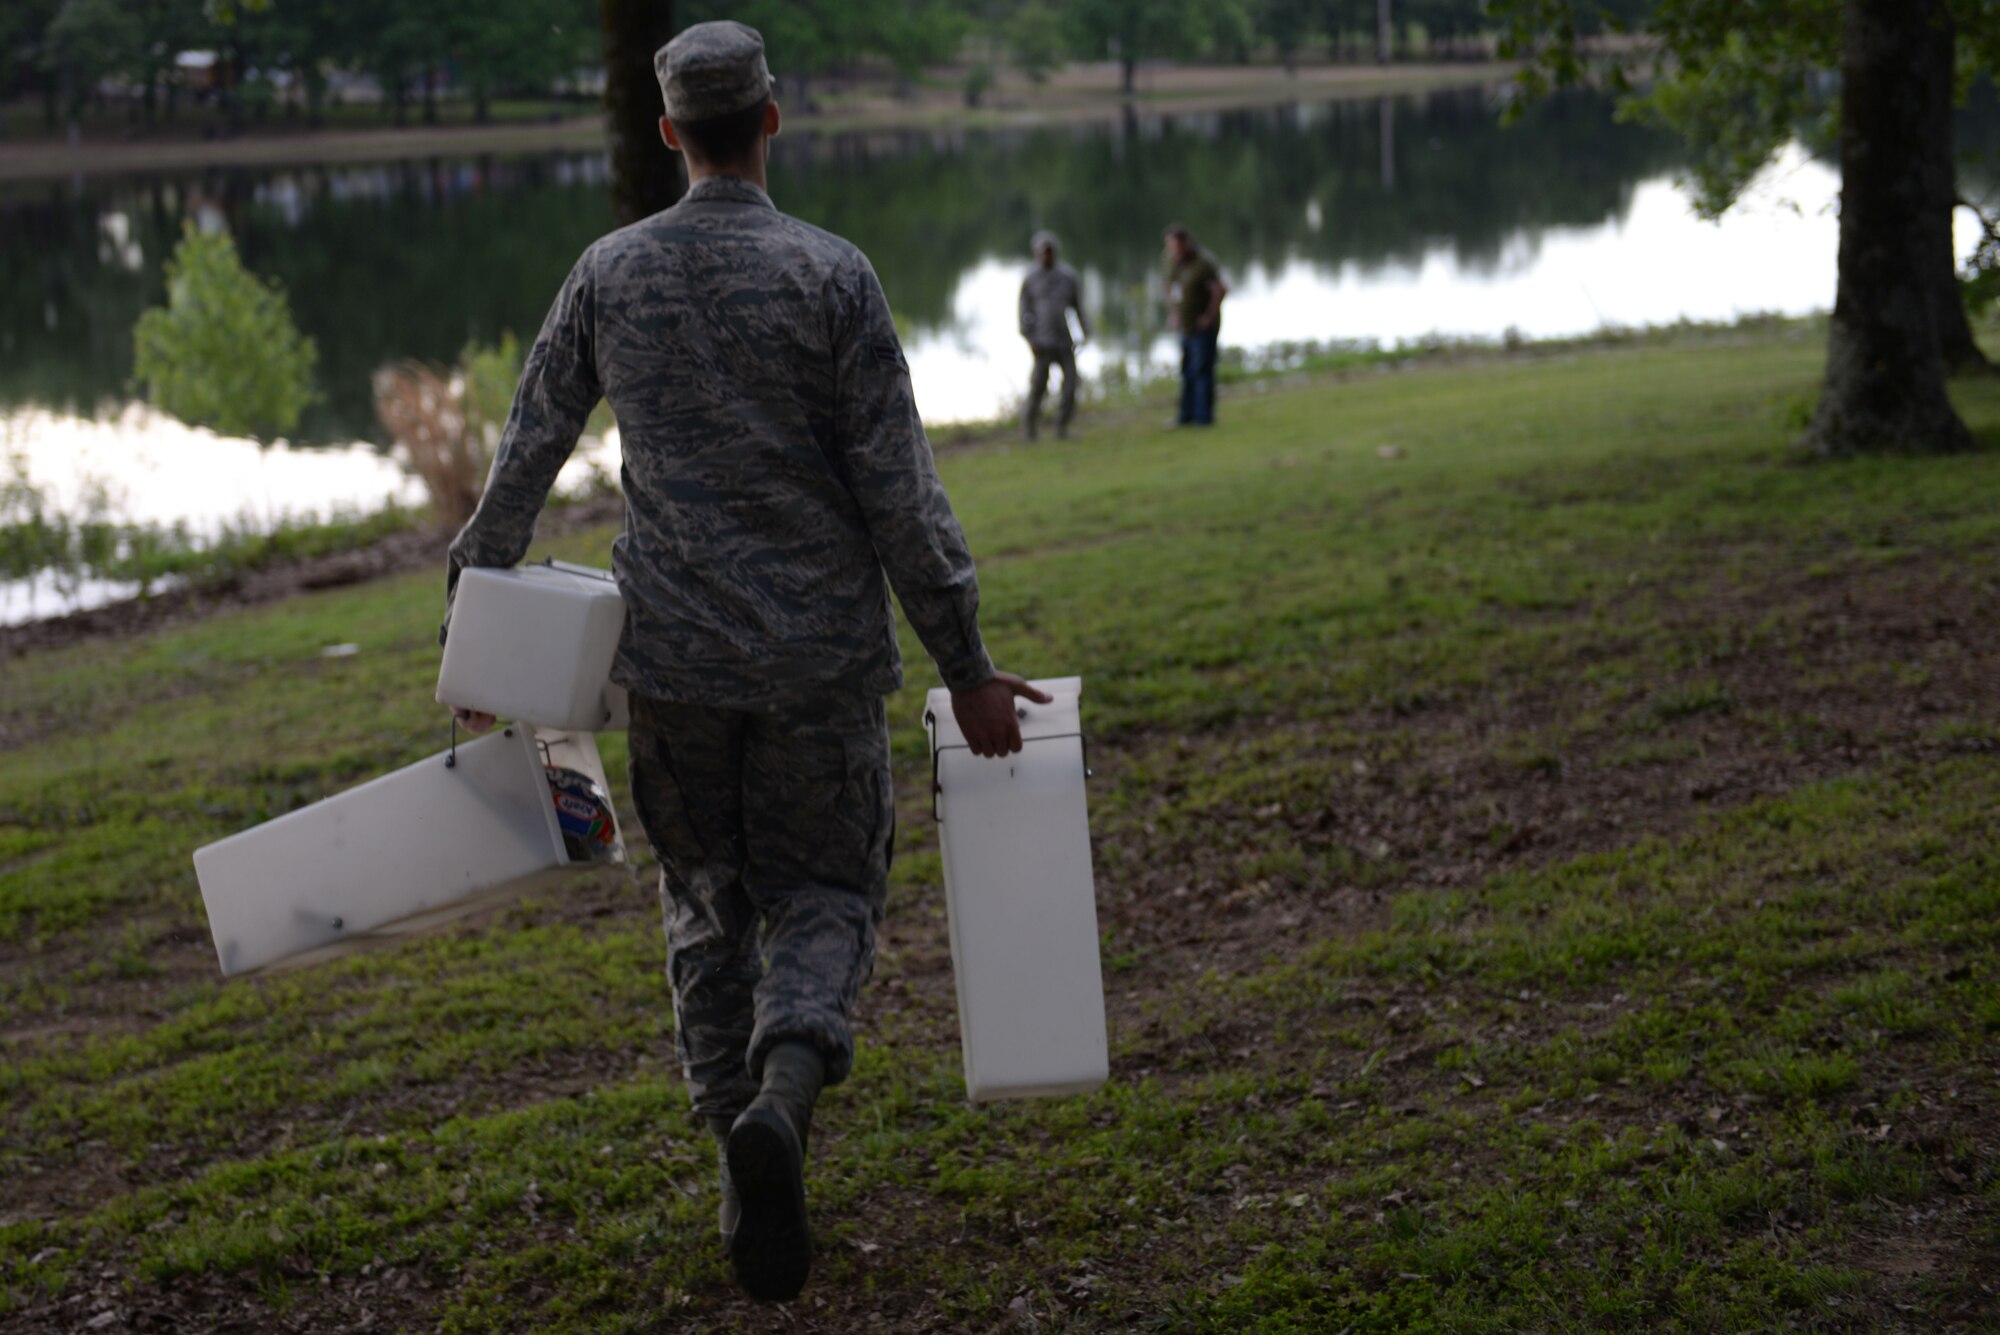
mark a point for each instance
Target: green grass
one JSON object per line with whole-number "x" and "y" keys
{"x": 1698, "y": 1072}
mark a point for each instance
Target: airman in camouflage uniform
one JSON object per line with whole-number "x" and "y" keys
{"x": 1048, "y": 294}
{"x": 777, "y": 484}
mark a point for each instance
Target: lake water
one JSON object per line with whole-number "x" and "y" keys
{"x": 1389, "y": 220}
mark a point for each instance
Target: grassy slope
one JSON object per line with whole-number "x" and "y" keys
{"x": 1548, "y": 883}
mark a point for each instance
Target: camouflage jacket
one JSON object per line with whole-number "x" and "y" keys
{"x": 774, "y": 467}
{"x": 1047, "y": 297}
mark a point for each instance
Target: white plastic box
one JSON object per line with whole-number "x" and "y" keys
{"x": 1022, "y": 902}
{"x": 534, "y": 644}
{"x": 408, "y": 851}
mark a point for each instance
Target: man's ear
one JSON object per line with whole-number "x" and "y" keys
{"x": 668, "y": 136}
{"x": 773, "y": 121}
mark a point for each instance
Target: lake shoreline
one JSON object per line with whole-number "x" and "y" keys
{"x": 1077, "y": 95}
{"x": 421, "y": 545}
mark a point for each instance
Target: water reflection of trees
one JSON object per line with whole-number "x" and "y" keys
{"x": 382, "y": 262}
{"x": 1370, "y": 184}
{"x": 412, "y": 259}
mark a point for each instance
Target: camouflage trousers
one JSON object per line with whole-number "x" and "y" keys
{"x": 773, "y": 832}
{"x": 1038, "y": 388}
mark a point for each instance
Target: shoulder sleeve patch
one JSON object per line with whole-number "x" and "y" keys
{"x": 888, "y": 354}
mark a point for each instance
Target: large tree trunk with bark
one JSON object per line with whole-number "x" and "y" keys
{"x": 645, "y": 178}
{"x": 1885, "y": 378}
{"x": 1940, "y": 166}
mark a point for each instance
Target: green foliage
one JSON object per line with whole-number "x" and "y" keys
{"x": 1733, "y": 78}
{"x": 1035, "y": 34}
{"x": 223, "y": 352}
{"x": 1737, "y": 103}
{"x": 486, "y": 49}
{"x": 517, "y": 44}
{"x": 1134, "y": 30}
{"x": 91, "y": 540}
{"x": 1736, "y": 79}
{"x": 90, "y": 39}
{"x": 1287, "y": 23}
{"x": 1981, "y": 280}
{"x": 32, "y": 538}
{"x": 491, "y": 373}
{"x": 24, "y": 27}
{"x": 978, "y": 82}
{"x": 803, "y": 37}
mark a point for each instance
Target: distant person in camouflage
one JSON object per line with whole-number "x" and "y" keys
{"x": 1048, "y": 294}
{"x": 777, "y": 484}
{"x": 1194, "y": 292}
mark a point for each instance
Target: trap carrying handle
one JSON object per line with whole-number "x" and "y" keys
{"x": 930, "y": 726}
{"x": 571, "y": 568}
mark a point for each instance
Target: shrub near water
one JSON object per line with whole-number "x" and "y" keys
{"x": 223, "y": 352}
{"x": 41, "y": 541}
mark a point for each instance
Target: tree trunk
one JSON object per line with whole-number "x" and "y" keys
{"x": 644, "y": 176}
{"x": 1884, "y": 389}
{"x": 430, "y": 95}
{"x": 1385, "y": 113}
{"x": 482, "y": 103}
{"x": 1940, "y": 167}
{"x": 1382, "y": 32}
{"x": 1127, "y": 80}
{"x": 234, "y": 89}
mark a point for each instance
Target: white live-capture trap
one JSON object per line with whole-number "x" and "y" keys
{"x": 467, "y": 828}
{"x": 1022, "y": 902}
{"x": 535, "y": 643}
{"x": 461, "y": 831}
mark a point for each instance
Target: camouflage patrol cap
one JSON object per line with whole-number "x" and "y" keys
{"x": 1041, "y": 239}
{"x": 712, "y": 69}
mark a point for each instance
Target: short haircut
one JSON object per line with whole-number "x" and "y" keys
{"x": 726, "y": 140}
{"x": 1179, "y": 232}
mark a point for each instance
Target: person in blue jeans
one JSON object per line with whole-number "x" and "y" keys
{"x": 1194, "y": 307}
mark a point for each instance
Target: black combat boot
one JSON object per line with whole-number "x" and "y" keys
{"x": 772, "y": 1247}
{"x": 732, "y": 1209}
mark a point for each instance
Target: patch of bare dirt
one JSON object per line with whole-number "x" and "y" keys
{"x": 1844, "y": 674}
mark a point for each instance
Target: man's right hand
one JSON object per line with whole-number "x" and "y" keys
{"x": 985, "y": 713}
{"x": 472, "y": 720}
